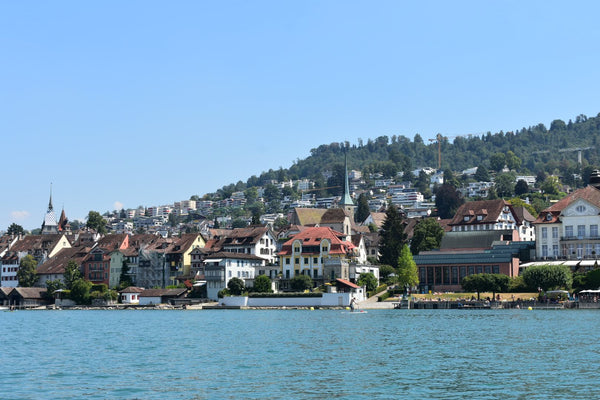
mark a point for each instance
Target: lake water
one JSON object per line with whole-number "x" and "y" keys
{"x": 300, "y": 354}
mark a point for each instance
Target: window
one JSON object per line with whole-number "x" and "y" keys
{"x": 579, "y": 250}
{"x": 581, "y": 231}
{"x": 589, "y": 248}
{"x": 555, "y": 250}
{"x": 594, "y": 231}
{"x": 554, "y": 232}
{"x": 569, "y": 231}
{"x": 315, "y": 260}
{"x": 580, "y": 209}
{"x": 306, "y": 260}
{"x": 544, "y": 250}
{"x": 287, "y": 261}
{"x": 544, "y": 233}
{"x": 297, "y": 260}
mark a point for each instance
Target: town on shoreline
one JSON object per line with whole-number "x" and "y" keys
{"x": 321, "y": 257}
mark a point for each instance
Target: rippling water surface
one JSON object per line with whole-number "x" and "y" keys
{"x": 300, "y": 354}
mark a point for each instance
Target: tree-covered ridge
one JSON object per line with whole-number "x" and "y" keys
{"x": 539, "y": 150}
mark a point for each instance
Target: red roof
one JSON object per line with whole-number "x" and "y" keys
{"x": 312, "y": 237}
{"x": 347, "y": 283}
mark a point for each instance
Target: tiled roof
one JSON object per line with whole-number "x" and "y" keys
{"x": 36, "y": 242}
{"x": 57, "y": 264}
{"x": 333, "y": 215}
{"x": 113, "y": 241}
{"x": 132, "y": 289}
{"x": 378, "y": 218}
{"x": 313, "y": 237}
{"x": 163, "y": 292}
{"x": 489, "y": 210}
{"x": 29, "y": 292}
{"x": 551, "y": 214}
{"x": 347, "y": 283}
{"x": 309, "y": 216}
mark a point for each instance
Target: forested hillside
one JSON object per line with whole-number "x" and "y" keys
{"x": 528, "y": 151}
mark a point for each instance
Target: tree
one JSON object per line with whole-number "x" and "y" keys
{"x": 512, "y": 161}
{"x": 96, "y": 222}
{"x": 300, "y": 283}
{"x": 521, "y": 187}
{"x": 72, "y": 273}
{"x": 447, "y": 201}
{"x": 362, "y": 210}
{"x": 476, "y": 283}
{"x": 391, "y": 237}
{"x": 497, "y": 162}
{"x": 52, "y": 286}
{"x": 15, "y": 230}
{"x": 125, "y": 279}
{"x": 386, "y": 272}
{"x": 482, "y": 174}
{"x": 27, "y": 273}
{"x": 450, "y": 178}
{"x": 427, "y": 235}
{"x": 236, "y": 286}
{"x": 262, "y": 284}
{"x": 548, "y": 277}
{"x": 239, "y": 223}
{"x": 517, "y": 202}
{"x": 408, "y": 273}
{"x": 80, "y": 292}
{"x": 368, "y": 280}
{"x": 551, "y": 185}
{"x": 505, "y": 185}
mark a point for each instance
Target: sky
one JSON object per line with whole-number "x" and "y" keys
{"x": 117, "y": 104}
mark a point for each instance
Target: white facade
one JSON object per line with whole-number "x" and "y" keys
{"x": 575, "y": 235}
{"x": 219, "y": 271}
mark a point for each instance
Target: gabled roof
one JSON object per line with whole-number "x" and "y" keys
{"x": 309, "y": 216}
{"x": 551, "y": 214}
{"x": 489, "y": 210}
{"x": 33, "y": 243}
{"x": 111, "y": 242}
{"x": 238, "y": 237}
{"x": 333, "y": 216}
{"x": 29, "y": 292}
{"x": 57, "y": 264}
{"x": 313, "y": 236}
{"x": 588, "y": 193}
{"x": 378, "y": 218}
{"x": 523, "y": 214}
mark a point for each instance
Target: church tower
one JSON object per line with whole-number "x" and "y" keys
{"x": 346, "y": 203}
{"x": 49, "y": 226}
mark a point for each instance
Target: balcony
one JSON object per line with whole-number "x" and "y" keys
{"x": 573, "y": 238}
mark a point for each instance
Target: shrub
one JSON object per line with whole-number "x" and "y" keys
{"x": 223, "y": 293}
{"x": 384, "y": 296}
{"x": 301, "y": 283}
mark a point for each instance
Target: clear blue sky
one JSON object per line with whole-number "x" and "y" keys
{"x": 128, "y": 103}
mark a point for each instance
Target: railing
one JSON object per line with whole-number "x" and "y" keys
{"x": 574, "y": 237}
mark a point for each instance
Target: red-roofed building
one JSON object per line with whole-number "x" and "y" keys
{"x": 317, "y": 252}
{"x": 569, "y": 228}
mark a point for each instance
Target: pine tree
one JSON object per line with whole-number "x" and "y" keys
{"x": 392, "y": 237}
{"x": 362, "y": 210}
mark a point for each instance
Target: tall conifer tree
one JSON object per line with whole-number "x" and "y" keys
{"x": 391, "y": 237}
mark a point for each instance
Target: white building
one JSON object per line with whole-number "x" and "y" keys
{"x": 219, "y": 268}
{"x": 569, "y": 228}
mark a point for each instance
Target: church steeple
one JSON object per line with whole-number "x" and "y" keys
{"x": 346, "y": 202}
{"x": 49, "y": 225}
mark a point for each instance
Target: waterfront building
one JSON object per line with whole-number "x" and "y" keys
{"x": 220, "y": 267}
{"x": 568, "y": 229}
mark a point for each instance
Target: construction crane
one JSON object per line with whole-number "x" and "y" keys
{"x": 578, "y": 150}
{"x": 438, "y": 138}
